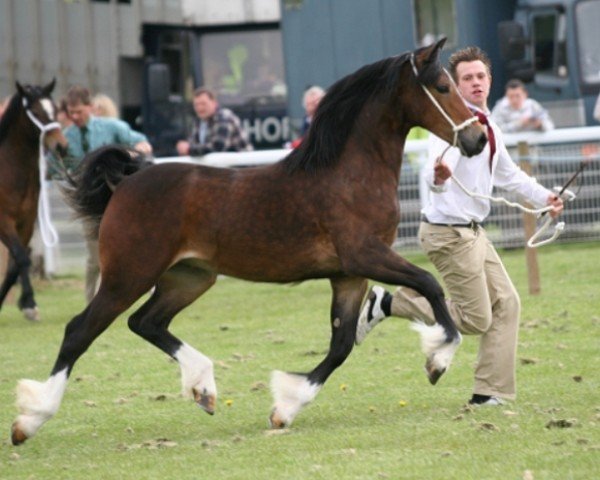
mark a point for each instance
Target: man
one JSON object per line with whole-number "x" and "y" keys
{"x": 216, "y": 130}
{"x": 516, "y": 112}
{"x": 483, "y": 300}
{"x": 87, "y": 133}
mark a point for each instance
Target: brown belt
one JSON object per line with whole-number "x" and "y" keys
{"x": 473, "y": 225}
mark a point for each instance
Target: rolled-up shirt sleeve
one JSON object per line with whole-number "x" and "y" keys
{"x": 510, "y": 177}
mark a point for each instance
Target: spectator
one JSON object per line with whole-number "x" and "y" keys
{"x": 103, "y": 106}
{"x": 516, "y": 112}
{"x": 216, "y": 129}
{"x": 87, "y": 133}
{"x": 310, "y": 101}
{"x": 597, "y": 109}
{"x": 483, "y": 300}
{"x": 62, "y": 114}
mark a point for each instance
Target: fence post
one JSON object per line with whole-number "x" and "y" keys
{"x": 533, "y": 271}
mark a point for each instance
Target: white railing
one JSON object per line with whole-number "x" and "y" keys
{"x": 554, "y": 156}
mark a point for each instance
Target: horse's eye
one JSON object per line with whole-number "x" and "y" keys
{"x": 442, "y": 88}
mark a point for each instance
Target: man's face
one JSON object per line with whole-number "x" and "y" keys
{"x": 516, "y": 97}
{"x": 205, "y": 106}
{"x": 79, "y": 114}
{"x": 474, "y": 81}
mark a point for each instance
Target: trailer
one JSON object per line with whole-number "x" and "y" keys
{"x": 123, "y": 47}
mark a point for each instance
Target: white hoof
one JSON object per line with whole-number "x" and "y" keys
{"x": 197, "y": 377}
{"x": 434, "y": 345}
{"x": 290, "y": 392}
{"x": 38, "y": 402}
{"x": 31, "y": 314}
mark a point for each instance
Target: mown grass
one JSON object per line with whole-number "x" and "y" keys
{"x": 377, "y": 417}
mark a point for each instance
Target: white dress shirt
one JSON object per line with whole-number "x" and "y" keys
{"x": 449, "y": 204}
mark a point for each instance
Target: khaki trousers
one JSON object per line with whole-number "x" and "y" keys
{"x": 482, "y": 301}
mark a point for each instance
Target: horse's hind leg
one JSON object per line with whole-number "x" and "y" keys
{"x": 292, "y": 391}
{"x": 38, "y": 402}
{"x": 176, "y": 289}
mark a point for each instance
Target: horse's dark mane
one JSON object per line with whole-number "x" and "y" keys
{"x": 10, "y": 116}
{"x": 338, "y": 111}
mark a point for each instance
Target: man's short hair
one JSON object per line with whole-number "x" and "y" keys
{"x": 468, "y": 54}
{"x": 515, "y": 83}
{"x": 78, "y": 94}
{"x": 205, "y": 91}
{"x": 310, "y": 91}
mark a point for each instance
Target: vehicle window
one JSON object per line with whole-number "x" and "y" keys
{"x": 435, "y": 19}
{"x": 587, "y": 19}
{"x": 549, "y": 44}
{"x": 243, "y": 65}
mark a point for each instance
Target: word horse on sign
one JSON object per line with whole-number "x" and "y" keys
{"x": 30, "y": 116}
{"x": 327, "y": 210}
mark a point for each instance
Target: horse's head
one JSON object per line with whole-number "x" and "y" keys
{"x": 441, "y": 108}
{"x": 41, "y": 110}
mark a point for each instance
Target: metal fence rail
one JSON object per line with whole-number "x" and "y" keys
{"x": 553, "y": 156}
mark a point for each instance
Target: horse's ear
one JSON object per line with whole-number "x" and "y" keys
{"x": 434, "y": 51}
{"x": 47, "y": 90}
{"x": 20, "y": 89}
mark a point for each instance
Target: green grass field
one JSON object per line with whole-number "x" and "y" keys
{"x": 376, "y": 418}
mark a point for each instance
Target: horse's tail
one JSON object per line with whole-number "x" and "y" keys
{"x": 90, "y": 189}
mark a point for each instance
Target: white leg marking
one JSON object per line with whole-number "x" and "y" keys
{"x": 434, "y": 346}
{"x": 196, "y": 372}
{"x": 291, "y": 392}
{"x": 37, "y": 402}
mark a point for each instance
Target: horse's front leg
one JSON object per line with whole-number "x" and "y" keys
{"x": 19, "y": 267}
{"x": 379, "y": 262}
{"x": 292, "y": 391}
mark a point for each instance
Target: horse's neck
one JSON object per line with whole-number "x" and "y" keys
{"x": 25, "y": 131}
{"x": 22, "y": 145}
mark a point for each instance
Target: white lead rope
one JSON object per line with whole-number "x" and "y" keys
{"x": 47, "y": 230}
{"x": 532, "y": 242}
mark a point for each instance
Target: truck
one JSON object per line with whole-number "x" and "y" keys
{"x": 552, "y": 47}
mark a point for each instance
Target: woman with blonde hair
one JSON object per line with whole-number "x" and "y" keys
{"x": 104, "y": 106}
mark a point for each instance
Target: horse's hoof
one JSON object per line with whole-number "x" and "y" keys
{"x": 31, "y": 314}
{"x": 276, "y": 422}
{"x": 433, "y": 373}
{"x": 205, "y": 402}
{"x": 17, "y": 435}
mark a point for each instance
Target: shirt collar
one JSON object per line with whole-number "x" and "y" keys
{"x": 477, "y": 109}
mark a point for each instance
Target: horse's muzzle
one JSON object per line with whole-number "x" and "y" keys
{"x": 472, "y": 140}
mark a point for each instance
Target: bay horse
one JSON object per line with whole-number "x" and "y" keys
{"x": 328, "y": 210}
{"x": 31, "y": 114}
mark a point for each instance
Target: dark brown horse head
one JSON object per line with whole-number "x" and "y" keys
{"x": 441, "y": 108}
{"x": 41, "y": 109}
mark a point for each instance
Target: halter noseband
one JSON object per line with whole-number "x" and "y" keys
{"x": 44, "y": 128}
{"x": 455, "y": 128}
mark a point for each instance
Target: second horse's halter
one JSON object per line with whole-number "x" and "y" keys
{"x": 47, "y": 230}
